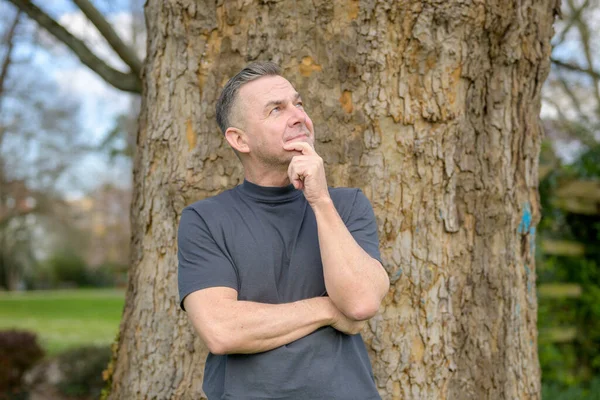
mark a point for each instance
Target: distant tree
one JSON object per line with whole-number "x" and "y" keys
{"x": 119, "y": 141}
{"x": 572, "y": 91}
{"x": 38, "y": 132}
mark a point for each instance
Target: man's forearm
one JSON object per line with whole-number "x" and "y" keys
{"x": 250, "y": 327}
{"x": 355, "y": 282}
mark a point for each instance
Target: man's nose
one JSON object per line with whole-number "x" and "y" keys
{"x": 298, "y": 116}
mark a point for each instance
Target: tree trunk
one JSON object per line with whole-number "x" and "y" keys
{"x": 431, "y": 107}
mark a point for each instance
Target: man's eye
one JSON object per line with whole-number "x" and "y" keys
{"x": 300, "y": 104}
{"x": 274, "y": 110}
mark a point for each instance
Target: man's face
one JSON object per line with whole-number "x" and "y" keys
{"x": 271, "y": 113}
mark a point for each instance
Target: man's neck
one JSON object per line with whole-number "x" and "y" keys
{"x": 270, "y": 178}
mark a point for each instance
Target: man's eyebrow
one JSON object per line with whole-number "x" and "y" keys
{"x": 280, "y": 102}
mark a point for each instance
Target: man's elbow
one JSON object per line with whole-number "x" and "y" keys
{"x": 217, "y": 341}
{"x": 217, "y": 347}
{"x": 366, "y": 307}
{"x": 363, "y": 310}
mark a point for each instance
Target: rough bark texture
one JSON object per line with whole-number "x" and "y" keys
{"x": 431, "y": 107}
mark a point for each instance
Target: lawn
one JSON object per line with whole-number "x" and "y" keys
{"x": 64, "y": 318}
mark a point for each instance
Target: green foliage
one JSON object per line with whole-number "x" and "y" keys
{"x": 69, "y": 268}
{"x": 109, "y": 274}
{"x": 82, "y": 370}
{"x": 20, "y": 351}
{"x": 588, "y": 165}
{"x": 572, "y": 365}
{"x": 554, "y": 391}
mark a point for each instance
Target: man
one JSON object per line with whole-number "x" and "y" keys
{"x": 279, "y": 274}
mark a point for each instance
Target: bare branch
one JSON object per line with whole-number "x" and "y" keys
{"x": 559, "y": 63}
{"x": 10, "y": 35}
{"x": 584, "y": 33}
{"x": 125, "y": 52}
{"x": 574, "y": 16}
{"x": 128, "y": 82}
{"x": 574, "y": 100}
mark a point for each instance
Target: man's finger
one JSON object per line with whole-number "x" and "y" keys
{"x": 302, "y": 147}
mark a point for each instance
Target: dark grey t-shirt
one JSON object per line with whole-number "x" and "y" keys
{"x": 262, "y": 242}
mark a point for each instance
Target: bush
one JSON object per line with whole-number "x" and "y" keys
{"x": 68, "y": 268}
{"x": 579, "y": 392}
{"x": 20, "y": 351}
{"x": 82, "y": 370}
{"x": 109, "y": 274}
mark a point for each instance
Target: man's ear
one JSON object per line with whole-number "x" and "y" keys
{"x": 237, "y": 139}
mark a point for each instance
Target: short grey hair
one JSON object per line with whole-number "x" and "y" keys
{"x": 228, "y": 96}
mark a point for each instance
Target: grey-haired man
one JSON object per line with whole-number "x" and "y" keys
{"x": 279, "y": 273}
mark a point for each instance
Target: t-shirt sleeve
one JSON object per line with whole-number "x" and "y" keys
{"x": 202, "y": 262}
{"x": 363, "y": 225}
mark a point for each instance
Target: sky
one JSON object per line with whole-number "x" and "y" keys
{"x": 100, "y": 103}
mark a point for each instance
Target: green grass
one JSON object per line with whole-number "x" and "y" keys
{"x": 64, "y": 319}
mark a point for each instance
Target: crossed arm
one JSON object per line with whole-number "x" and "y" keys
{"x": 229, "y": 326}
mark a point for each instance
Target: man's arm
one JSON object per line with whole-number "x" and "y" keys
{"x": 229, "y": 326}
{"x": 355, "y": 282}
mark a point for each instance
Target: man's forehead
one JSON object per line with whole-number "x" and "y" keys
{"x": 267, "y": 88}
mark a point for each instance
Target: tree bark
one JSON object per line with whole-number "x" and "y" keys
{"x": 431, "y": 107}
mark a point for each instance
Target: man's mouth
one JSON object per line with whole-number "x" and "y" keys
{"x": 300, "y": 136}
{"x": 296, "y": 138}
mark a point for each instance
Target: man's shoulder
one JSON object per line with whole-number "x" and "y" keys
{"x": 343, "y": 195}
{"x": 213, "y": 205}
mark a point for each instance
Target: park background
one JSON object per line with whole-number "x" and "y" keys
{"x": 67, "y": 137}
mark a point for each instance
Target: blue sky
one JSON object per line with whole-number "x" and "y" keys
{"x": 100, "y": 103}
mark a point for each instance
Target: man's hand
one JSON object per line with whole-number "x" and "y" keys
{"x": 347, "y": 325}
{"x": 306, "y": 173}
{"x": 342, "y": 323}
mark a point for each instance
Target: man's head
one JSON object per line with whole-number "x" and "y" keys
{"x": 259, "y": 111}
{"x": 226, "y": 112}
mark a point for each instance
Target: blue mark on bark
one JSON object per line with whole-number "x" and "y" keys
{"x": 526, "y": 227}
{"x": 525, "y": 220}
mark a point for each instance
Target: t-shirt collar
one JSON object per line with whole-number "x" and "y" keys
{"x": 269, "y": 194}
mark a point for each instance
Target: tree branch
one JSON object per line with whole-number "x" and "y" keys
{"x": 593, "y": 74}
{"x": 10, "y": 35}
{"x": 128, "y": 82}
{"x": 125, "y": 52}
{"x": 574, "y": 16}
{"x": 584, "y": 34}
